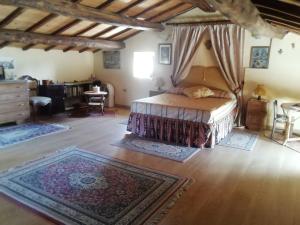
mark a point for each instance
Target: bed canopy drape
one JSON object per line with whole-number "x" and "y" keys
{"x": 227, "y": 43}
{"x": 186, "y": 40}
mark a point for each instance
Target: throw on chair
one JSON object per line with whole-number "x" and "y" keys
{"x": 277, "y": 118}
{"x": 36, "y": 101}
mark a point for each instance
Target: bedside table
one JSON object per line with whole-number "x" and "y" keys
{"x": 256, "y": 114}
{"x": 156, "y": 92}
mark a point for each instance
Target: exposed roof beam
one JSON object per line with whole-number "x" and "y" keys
{"x": 4, "y": 43}
{"x": 68, "y": 8}
{"x": 202, "y": 4}
{"x": 105, "y": 4}
{"x": 13, "y": 15}
{"x": 246, "y": 15}
{"x": 131, "y": 5}
{"x": 35, "y": 38}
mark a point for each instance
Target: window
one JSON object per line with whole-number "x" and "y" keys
{"x": 143, "y": 65}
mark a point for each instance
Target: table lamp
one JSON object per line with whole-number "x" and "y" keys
{"x": 259, "y": 91}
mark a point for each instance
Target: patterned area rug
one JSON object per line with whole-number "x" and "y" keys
{"x": 11, "y": 135}
{"x": 78, "y": 187}
{"x": 173, "y": 152}
{"x": 240, "y": 139}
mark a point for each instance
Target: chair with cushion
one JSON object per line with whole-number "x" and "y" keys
{"x": 35, "y": 100}
{"x": 277, "y": 118}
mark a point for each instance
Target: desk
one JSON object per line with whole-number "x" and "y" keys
{"x": 96, "y": 99}
{"x": 290, "y": 109}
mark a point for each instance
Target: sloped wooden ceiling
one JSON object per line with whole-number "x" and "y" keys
{"x": 92, "y": 25}
{"x": 284, "y": 13}
{"x": 33, "y": 17}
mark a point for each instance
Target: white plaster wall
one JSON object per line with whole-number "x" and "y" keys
{"x": 54, "y": 65}
{"x": 282, "y": 78}
{"x": 127, "y": 87}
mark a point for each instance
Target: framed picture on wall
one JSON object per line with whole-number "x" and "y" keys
{"x": 260, "y": 57}
{"x": 111, "y": 59}
{"x": 165, "y": 54}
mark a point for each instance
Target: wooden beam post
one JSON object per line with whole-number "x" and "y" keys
{"x": 35, "y": 38}
{"x": 71, "y": 9}
{"x": 246, "y": 15}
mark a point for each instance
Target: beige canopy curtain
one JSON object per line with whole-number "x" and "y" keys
{"x": 186, "y": 40}
{"x": 228, "y": 44}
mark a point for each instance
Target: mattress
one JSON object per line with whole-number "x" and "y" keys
{"x": 205, "y": 110}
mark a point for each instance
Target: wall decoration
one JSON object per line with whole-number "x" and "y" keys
{"x": 111, "y": 59}
{"x": 293, "y": 45}
{"x": 7, "y": 63}
{"x": 165, "y": 54}
{"x": 260, "y": 57}
{"x": 208, "y": 44}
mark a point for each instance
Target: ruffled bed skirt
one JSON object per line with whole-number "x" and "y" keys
{"x": 180, "y": 132}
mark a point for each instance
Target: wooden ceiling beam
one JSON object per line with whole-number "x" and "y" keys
{"x": 78, "y": 11}
{"x": 100, "y": 33}
{"x": 105, "y": 4}
{"x": 42, "y": 22}
{"x": 13, "y": 15}
{"x": 83, "y": 50}
{"x": 166, "y": 11}
{"x": 57, "y": 31}
{"x": 203, "y": 5}
{"x": 35, "y": 38}
{"x": 156, "y": 5}
{"x": 4, "y": 44}
{"x": 84, "y": 30}
{"x": 246, "y": 15}
{"x": 131, "y": 5}
{"x": 97, "y": 50}
{"x": 68, "y": 48}
{"x": 279, "y": 5}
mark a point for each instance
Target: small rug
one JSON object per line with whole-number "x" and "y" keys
{"x": 78, "y": 187}
{"x": 240, "y": 139}
{"x": 11, "y": 135}
{"x": 173, "y": 152}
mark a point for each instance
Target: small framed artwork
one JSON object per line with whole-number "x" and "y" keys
{"x": 165, "y": 54}
{"x": 111, "y": 59}
{"x": 2, "y": 74}
{"x": 260, "y": 57}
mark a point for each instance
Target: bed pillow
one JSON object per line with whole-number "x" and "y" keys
{"x": 222, "y": 94}
{"x": 198, "y": 92}
{"x": 176, "y": 90}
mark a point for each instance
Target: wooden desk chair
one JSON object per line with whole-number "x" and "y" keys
{"x": 277, "y": 118}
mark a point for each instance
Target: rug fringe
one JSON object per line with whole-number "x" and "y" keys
{"x": 158, "y": 216}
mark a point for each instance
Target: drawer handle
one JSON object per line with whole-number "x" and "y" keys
{"x": 20, "y": 114}
{"x": 21, "y": 104}
{"x": 18, "y": 96}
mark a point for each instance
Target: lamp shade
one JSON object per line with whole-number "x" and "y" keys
{"x": 260, "y": 90}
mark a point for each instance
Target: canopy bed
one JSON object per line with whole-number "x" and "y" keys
{"x": 175, "y": 118}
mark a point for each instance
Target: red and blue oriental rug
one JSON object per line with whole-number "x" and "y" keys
{"x": 78, "y": 187}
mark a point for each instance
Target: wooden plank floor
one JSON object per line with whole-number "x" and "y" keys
{"x": 231, "y": 187}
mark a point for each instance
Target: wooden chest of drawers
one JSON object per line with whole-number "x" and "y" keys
{"x": 14, "y": 101}
{"x": 256, "y": 114}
